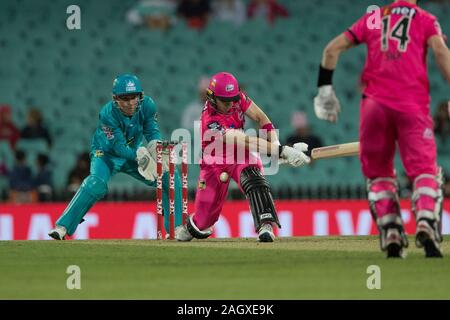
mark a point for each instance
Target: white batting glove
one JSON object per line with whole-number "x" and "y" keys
{"x": 294, "y": 155}
{"x": 146, "y": 164}
{"x": 326, "y": 104}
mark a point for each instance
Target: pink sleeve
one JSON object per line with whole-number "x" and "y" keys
{"x": 357, "y": 32}
{"x": 245, "y": 102}
{"x": 432, "y": 27}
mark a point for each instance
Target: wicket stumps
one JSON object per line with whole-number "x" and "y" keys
{"x": 168, "y": 147}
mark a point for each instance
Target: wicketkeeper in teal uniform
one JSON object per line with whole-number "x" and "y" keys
{"x": 117, "y": 146}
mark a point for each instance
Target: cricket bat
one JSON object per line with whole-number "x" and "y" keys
{"x": 337, "y": 150}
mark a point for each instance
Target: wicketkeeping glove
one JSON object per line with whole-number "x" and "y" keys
{"x": 326, "y": 104}
{"x": 146, "y": 164}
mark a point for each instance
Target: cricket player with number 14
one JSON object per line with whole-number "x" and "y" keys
{"x": 395, "y": 109}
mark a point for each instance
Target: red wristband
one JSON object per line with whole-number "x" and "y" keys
{"x": 268, "y": 126}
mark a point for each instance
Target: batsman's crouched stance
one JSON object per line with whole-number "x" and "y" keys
{"x": 222, "y": 121}
{"x": 117, "y": 147}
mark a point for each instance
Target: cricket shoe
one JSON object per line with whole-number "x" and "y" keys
{"x": 265, "y": 233}
{"x": 182, "y": 234}
{"x": 428, "y": 237}
{"x": 393, "y": 242}
{"x": 58, "y": 233}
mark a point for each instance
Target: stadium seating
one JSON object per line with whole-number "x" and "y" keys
{"x": 68, "y": 74}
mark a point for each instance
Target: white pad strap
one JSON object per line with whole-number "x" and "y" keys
{"x": 376, "y": 196}
{"x": 427, "y": 191}
{"x": 390, "y": 218}
{"x": 426, "y": 214}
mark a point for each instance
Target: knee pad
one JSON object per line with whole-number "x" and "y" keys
{"x": 257, "y": 190}
{"x": 95, "y": 186}
{"x": 195, "y": 231}
{"x": 427, "y": 199}
{"x": 383, "y": 198}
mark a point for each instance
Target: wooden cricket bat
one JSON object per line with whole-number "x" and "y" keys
{"x": 338, "y": 150}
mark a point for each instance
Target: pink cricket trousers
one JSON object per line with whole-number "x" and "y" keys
{"x": 212, "y": 192}
{"x": 381, "y": 128}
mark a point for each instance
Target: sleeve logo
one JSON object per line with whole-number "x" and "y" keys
{"x": 108, "y": 132}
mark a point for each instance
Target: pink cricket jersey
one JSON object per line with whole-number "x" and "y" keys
{"x": 214, "y": 123}
{"x": 395, "y": 73}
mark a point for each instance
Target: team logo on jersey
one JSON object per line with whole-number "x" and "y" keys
{"x": 229, "y": 87}
{"x": 98, "y": 153}
{"x": 131, "y": 86}
{"x": 215, "y": 126}
{"x": 428, "y": 133}
{"x": 108, "y": 132}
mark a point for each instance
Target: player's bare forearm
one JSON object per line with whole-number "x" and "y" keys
{"x": 255, "y": 113}
{"x": 332, "y": 51}
{"x": 441, "y": 54}
{"x": 239, "y": 138}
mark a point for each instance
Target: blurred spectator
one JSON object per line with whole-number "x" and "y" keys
{"x": 194, "y": 109}
{"x": 266, "y": 9}
{"x": 79, "y": 172}
{"x": 229, "y": 10}
{"x": 43, "y": 179}
{"x": 21, "y": 182}
{"x": 442, "y": 121}
{"x": 8, "y": 131}
{"x": 195, "y": 12}
{"x": 35, "y": 129}
{"x": 155, "y": 14}
{"x": 302, "y": 132}
{"x": 3, "y": 169}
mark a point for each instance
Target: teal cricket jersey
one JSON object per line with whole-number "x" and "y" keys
{"x": 119, "y": 136}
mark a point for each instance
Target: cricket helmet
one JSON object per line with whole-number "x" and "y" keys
{"x": 223, "y": 86}
{"x": 126, "y": 84}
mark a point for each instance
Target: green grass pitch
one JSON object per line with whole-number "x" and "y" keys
{"x": 290, "y": 268}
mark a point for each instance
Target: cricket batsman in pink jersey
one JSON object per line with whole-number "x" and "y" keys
{"x": 395, "y": 109}
{"x": 227, "y": 152}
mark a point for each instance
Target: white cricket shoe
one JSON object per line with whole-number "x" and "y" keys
{"x": 265, "y": 233}
{"x": 182, "y": 234}
{"x": 58, "y": 233}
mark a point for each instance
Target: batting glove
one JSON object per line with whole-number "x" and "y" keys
{"x": 326, "y": 104}
{"x": 295, "y": 155}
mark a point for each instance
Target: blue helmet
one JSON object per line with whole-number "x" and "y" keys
{"x": 126, "y": 84}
